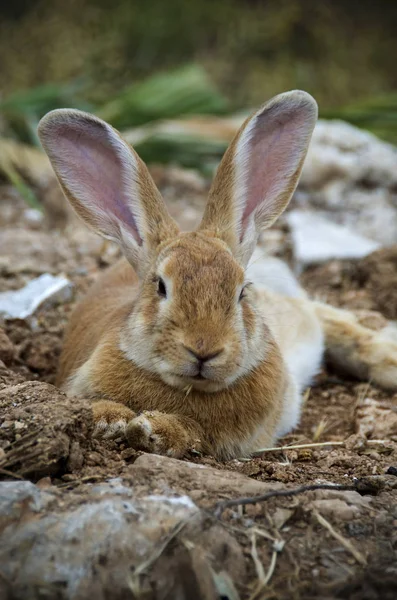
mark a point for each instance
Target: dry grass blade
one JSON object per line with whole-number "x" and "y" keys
{"x": 20, "y": 451}
{"x": 11, "y": 474}
{"x": 14, "y": 457}
{"x": 306, "y": 396}
{"x": 345, "y": 543}
{"x": 188, "y": 390}
{"x": 260, "y": 572}
{"x": 145, "y": 565}
{"x": 264, "y": 533}
{"x": 27, "y": 160}
{"x": 321, "y": 427}
{"x": 225, "y": 586}
{"x": 26, "y": 455}
{"x": 309, "y": 445}
{"x": 296, "y": 447}
{"x": 263, "y": 578}
{"x": 272, "y": 566}
{"x": 25, "y": 438}
{"x": 24, "y": 190}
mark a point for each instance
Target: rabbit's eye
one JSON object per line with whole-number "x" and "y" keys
{"x": 243, "y": 292}
{"x": 161, "y": 289}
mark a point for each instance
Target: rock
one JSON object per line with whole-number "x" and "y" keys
{"x": 375, "y": 420}
{"x": 341, "y": 150}
{"x": 33, "y": 218}
{"x": 32, "y": 252}
{"x": 316, "y": 240}
{"x": 337, "y": 509}
{"x": 18, "y": 498}
{"x": 341, "y": 506}
{"x": 205, "y": 485}
{"x": 7, "y": 350}
{"x": 356, "y": 443}
{"x": 350, "y": 178}
{"x": 8, "y": 377}
{"x": 281, "y": 516}
{"x": 106, "y": 543}
{"x": 20, "y": 304}
{"x": 41, "y": 430}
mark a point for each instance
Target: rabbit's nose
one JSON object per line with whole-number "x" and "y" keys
{"x": 202, "y": 358}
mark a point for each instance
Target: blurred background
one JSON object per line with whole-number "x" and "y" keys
{"x": 178, "y": 78}
{"x": 213, "y": 57}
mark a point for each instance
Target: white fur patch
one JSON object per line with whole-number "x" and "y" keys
{"x": 273, "y": 274}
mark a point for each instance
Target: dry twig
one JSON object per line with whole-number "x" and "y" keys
{"x": 360, "y": 558}
{"x": 263, "y": 578}
{"x": 355, "y": 487}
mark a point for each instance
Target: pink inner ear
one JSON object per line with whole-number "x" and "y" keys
{"x": 94, "y": 172}
{"x": 274, "y": 154}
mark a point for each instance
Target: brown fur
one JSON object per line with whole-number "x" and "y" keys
{"x": 111, "y": 412}
{"x": 199, "y": 360}
{"x": 224, "y": 422}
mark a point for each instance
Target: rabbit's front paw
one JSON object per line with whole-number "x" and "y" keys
{"x": 110, "y": 419}
{"x": 159, "y": 433}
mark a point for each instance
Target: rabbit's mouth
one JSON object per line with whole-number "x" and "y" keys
{"x": 198, "y": 381}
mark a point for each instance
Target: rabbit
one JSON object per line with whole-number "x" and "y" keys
{"x": 194, "y": 340}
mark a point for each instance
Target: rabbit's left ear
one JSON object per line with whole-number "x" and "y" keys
{"x": 107, "y": 183}
{"x": 260, "y": 171}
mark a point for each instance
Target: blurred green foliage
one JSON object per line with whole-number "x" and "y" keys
{"x": 22, "y": 111}
{"x": 377, "y": 114}
{"x": 186, "y": 91}
{"x": 135, "y": 63}
{"x": 178, "y": 93}
{"x": 339, "y": 51}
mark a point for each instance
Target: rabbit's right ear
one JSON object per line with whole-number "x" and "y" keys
{"x": 106, "y": 182}
{"x": 259, "y": 171}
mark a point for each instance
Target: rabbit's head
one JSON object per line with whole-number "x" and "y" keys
{"x": 194, "y": 321}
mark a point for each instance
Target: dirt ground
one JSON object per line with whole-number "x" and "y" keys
{"x": 331, "y": 545}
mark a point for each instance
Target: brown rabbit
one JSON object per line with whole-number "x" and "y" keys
{"x": 185, "y": 343}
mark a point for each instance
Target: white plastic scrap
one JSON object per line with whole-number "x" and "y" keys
{"x": 316, "y": 240}
{"x": 19, "y": 304}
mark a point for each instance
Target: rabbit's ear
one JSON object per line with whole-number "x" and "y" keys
{"x": 259, "y": 171}
{"x": 106, "y": 182}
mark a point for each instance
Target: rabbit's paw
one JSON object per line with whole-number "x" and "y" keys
{"x": 110, "y": 419}
{"x": 159, "y": 433}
